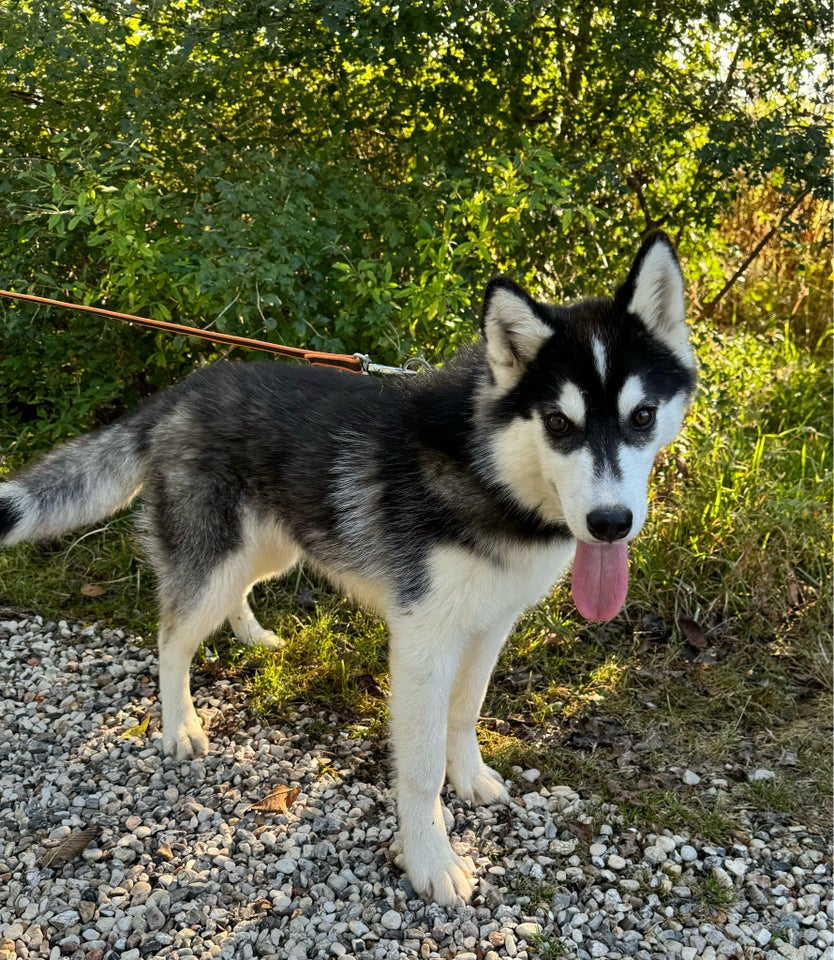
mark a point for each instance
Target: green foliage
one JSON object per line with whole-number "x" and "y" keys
{"x": 759, "y": 446}
{"x": 347, "y": 175}
{"x": 336, "y": 657}
{"x": 714, "y": 896}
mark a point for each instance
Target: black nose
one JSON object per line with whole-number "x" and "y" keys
{"x": 609, "y": 523}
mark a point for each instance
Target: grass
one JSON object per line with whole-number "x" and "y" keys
{"x": 549, "y": 948}
{"x": 56, "y": 579}
{"x": 532, "y": 889}
{"x": 739, "y": 542}
{"x": 713, "y": 897}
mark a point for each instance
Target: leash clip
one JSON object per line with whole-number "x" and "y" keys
{"x": 411, "y": 365}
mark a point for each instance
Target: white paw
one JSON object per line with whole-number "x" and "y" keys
{"x": 481, "y": 786}
{"x": 441, "y": 875}
{"x": 250, "y": 633}
{"x": 259, "y": 638}
{"x": 185, "y": 739}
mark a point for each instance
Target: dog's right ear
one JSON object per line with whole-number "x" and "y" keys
{"x": 653, "y": 291}
{"x": 513, "y": 329}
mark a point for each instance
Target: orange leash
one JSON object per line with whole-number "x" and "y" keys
{"x": 355, "y": 363}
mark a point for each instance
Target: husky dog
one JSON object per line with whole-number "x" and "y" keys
{"x": 448, "y": 502}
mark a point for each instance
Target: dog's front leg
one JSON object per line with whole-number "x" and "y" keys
{"x": 471, "y": 778}
{"x": 424, "y": 663}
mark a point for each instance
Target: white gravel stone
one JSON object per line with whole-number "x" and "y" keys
{"x": 736, "y": 866}
{"x": 182, "y": 867}
{"x": 722, "y": 878}
{"x": 654, "y": 854}
{"x": 666, "y": 844}
{"x": 391, "y": 920}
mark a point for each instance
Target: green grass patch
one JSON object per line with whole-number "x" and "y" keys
{"x": 533, "y": 889}
{"x": 714, "y": 897}
{"x": 97, "y": 574}
{"x": 333, "y": 658}
{"x": 674, "y": 810}
{"x": 549, "y": 948}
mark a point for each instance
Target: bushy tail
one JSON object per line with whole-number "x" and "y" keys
{"x": 78, "y": 483}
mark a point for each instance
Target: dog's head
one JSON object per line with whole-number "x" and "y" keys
{"x": 584, "y": 396}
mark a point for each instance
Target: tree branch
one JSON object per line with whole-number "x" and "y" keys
{"x": 709, "y": 306}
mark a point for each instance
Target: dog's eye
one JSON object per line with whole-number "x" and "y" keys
{"x": 643, "y": 417}
{"x": 558, "y": 424}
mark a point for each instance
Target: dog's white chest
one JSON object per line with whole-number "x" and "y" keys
{"x": 485, "y": 590}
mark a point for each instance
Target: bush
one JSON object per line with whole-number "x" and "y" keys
{"x": 348, "y": 176}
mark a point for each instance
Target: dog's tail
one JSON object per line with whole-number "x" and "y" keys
{"x": 77, "y": 483}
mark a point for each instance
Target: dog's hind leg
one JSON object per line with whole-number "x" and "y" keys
{"x": 272, "y": 560}
{"x": 470, "y": 777}
{"x": 207, "y": 552}
{"x": 187, "y": 618}
{"x": 248, "y": 630}
{"x": 179, "y": 637}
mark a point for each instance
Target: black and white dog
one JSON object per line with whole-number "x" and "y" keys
{"x": 448, "y": 502}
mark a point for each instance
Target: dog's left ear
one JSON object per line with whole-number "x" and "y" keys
{"x": 513, "y": 330}
{"x": 654, "y": 292}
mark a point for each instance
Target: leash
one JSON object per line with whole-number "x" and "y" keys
{"x": 355, "y": 362}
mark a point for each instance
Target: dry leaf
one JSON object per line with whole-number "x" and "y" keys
{"x": 691, "y": 629}
{"x": 140, "y": 729}
{"x": 92, "y": 590}
{"x": 278, "y": 800}
{"x": 627, "y": 759}
{"x": 367, "y": 683}
{"x": 582, "y": 831}
{"x": 70, "y": 848}
{"x": 644, "y": 646}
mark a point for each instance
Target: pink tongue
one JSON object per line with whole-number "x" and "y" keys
{"x": 600, "y": 579}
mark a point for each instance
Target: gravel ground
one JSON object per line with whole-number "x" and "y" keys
{"x": 177, "y": 864}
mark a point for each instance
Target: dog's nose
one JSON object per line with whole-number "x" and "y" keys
{"x": 609, "y": 523}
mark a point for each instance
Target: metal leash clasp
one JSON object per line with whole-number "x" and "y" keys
{"x": 410, "y": 366}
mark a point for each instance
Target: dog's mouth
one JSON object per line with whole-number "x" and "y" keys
{"x": 599, "y": 582}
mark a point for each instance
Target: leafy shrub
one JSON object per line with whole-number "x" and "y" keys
{"x": 348, "y": 176}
